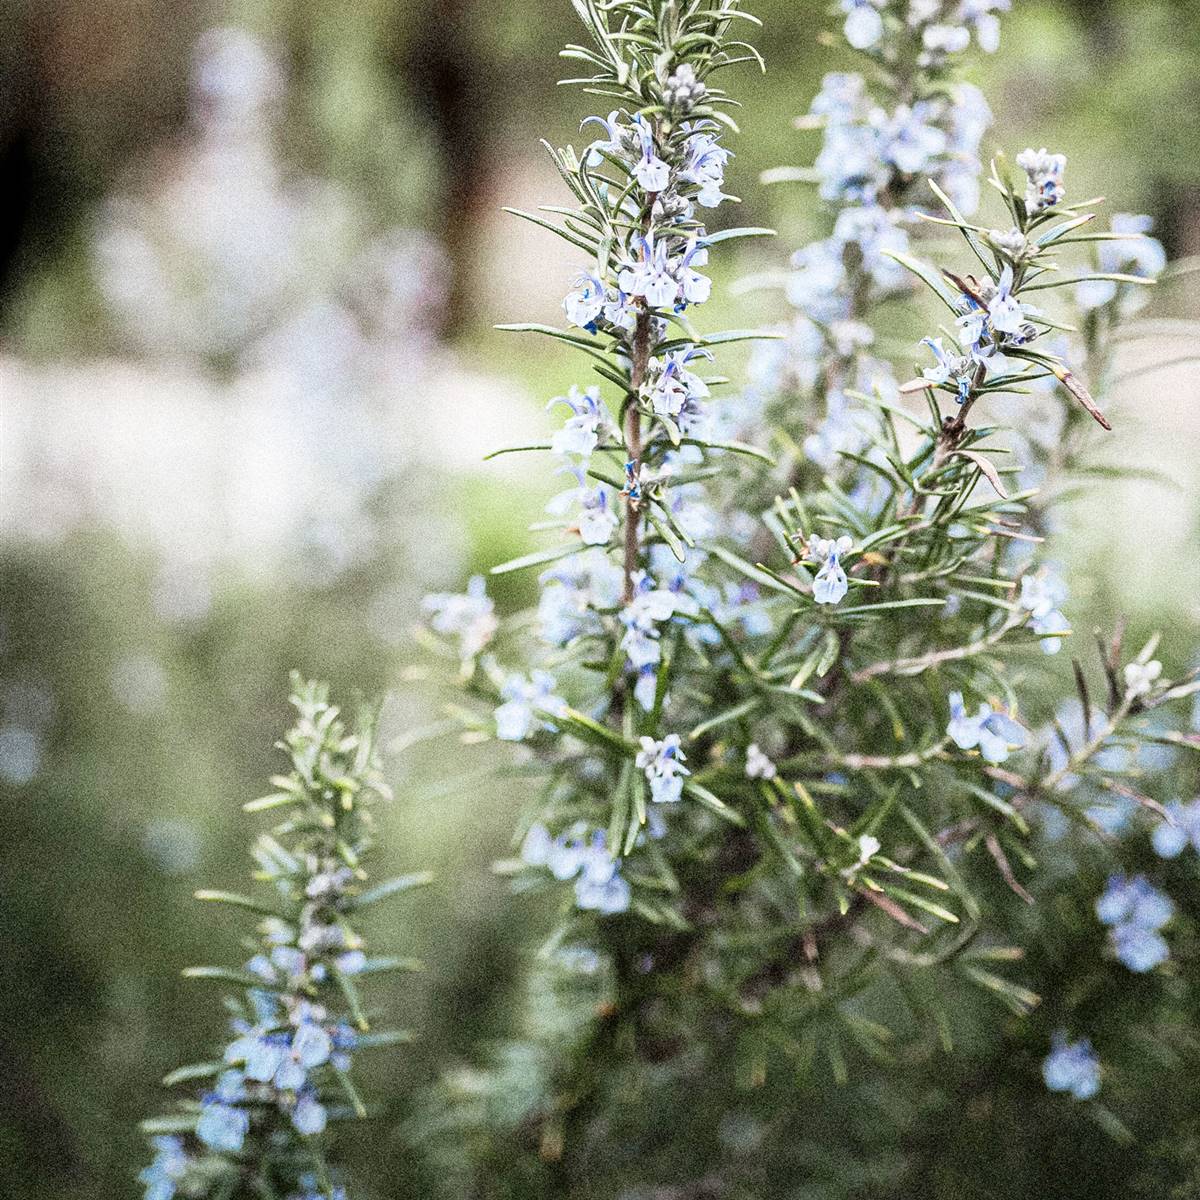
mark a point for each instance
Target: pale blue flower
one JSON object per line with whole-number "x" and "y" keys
{"x": 573, "y": 594}
{"x": 909, "y": 140}
{"x": 705, "y": 164}
{"x": 645, "y": 690}
{"x": 1072, "y": 1068}
{"x": 830, "y": 584}
{"x": 595, "y": 519}
{"x": 526, "y": 697}
{"x": 650, "y": 171}
{"x": 585, "y": 302}
{"x": 864, "y": 24}
{"x": 671, "y": 385}
{"x": 599, "y": 886}
{"x": 980, "y": 15}
{"x": 613, "y": 144}
{"x": 956, "y": 370}
{"x": 994, "y": 733}
{"x": 662, "y": 761}
{"x": 309, "y": 1116}
{"x": 842, "y": 98}
{"x": 850, "y": 165}
{"x": 1044, "y": 171}
{"x": 875, "y": 231}
{"x": 163, "y": 1176}
{"x": 1170, "y": 837}
{"x": 222, "y": 1127}
{"x": 650, "y": 276}
{"x": 1135, "y": 911}
{"x": 471, "y": 616}
{"x": 588, "y": 423}
{"x": 1041, "y": 596}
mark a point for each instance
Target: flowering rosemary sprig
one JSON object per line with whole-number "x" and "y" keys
{"x": 641, "y": 190}
{"x": 298, "y": 1019}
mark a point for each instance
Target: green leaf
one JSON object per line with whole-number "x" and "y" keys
{"x": 193, "y": 1071}
{"x": 537, "y": 558}
{"x": 714, "y": 805}
{"x": 402, "y": 883}
{"x": 232, "y": 898}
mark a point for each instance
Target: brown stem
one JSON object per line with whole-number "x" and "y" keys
{"x": 633, "y": 445}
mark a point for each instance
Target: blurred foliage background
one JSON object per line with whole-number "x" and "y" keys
{"x": 248, "y": 375}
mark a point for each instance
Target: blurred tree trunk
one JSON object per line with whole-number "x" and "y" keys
{"x": 441, "y": 69}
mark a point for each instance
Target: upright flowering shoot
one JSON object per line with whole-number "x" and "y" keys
{"x": 298, "y": 1018}
{"x": 642, "y": 188}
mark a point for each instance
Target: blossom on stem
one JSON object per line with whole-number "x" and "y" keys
{"x": 662, "y": 761}
{"x": 471, "y": 616}
{"x": 1135, "y": 912}
{"x": 1044, "y": 172}
{"x": 830, "y": 584}
{"x": 758, "y": 765}
{"x": 1040, "y": 596}
{"x": 1180, "y": 828}
{"x": 525, "y": 697}
{"x": 588, "y": 423}
{"x": 1072, "y": 1068}
{"x": 994, "y": 733}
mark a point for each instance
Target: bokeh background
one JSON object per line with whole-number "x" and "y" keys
{"x": 251, "y": 254}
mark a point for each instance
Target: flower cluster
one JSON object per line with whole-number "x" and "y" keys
{"x": 574, "y": 855}
{"x": 994, "y": 733}
{"x": 881, "y": 139}
{"x": 1135, "y": 912}
{"x": 1072, "y": 1067}
{"x": 297, "y": 1024}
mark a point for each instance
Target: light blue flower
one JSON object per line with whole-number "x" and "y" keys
{"x": 588, "y": 423}
{"x": 613, "y": 144}
{"x": 1040, "y": 596}
{"x": 470, "y": 616}
{"x": 994, "y": 733}
{"x": 705, "y": 163}
{"x": 526, "y": 697}
{"x": 1135, "y": 911}
{"x": 222, "y": 1127}
{"x": 1171, "y": 837}
{"x": 650, "y": 274}
{"x": 599, "y": 886}
{"x": 864, "y": 24}
{"x": 671, "y": 385}
{"x": 595, "y": 519}
{"x": 1073, "y": 1068}
{"x": 163, "y": 1176}
{"x": 956, "y": 370}
{"x": 662, "y": 761}
{"x": 909, "y": 140}
{"x": 585, "y": 302}
{"x": 1044, "y": 172}
{"x": 309, "y": 1116}
{"x": 830, "y": 584}
{"x": 650, "y": 171}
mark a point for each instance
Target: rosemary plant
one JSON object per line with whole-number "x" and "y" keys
{"x": 259, "y": 1127}
{"x": 772, "y": 692}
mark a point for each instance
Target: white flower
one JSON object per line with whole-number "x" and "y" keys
{"x": 758, "y": 765}
{"x": 1140, "y": 677}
